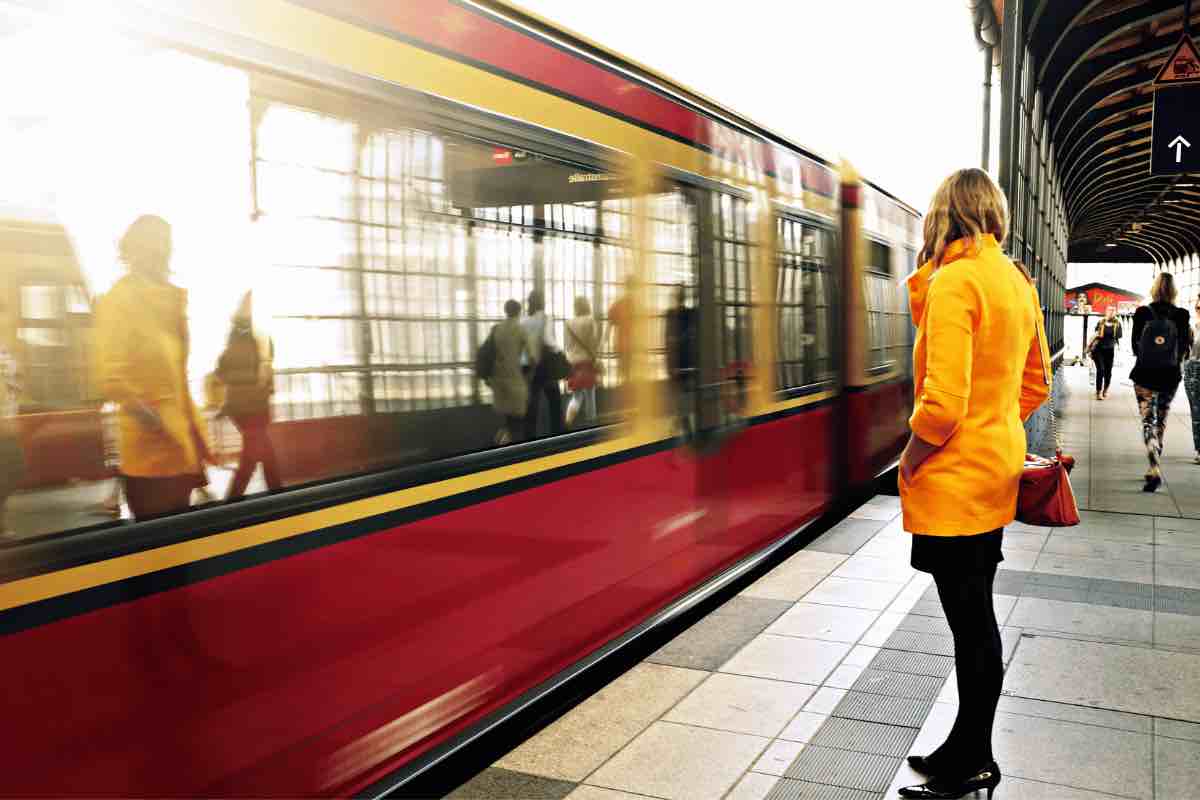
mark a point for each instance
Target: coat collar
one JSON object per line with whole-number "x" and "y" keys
{"x": 919, "y": 281}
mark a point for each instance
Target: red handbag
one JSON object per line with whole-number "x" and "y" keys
{"x": 1045, "y": 497}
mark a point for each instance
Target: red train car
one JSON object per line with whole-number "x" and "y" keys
{"x": 413, "y": 581}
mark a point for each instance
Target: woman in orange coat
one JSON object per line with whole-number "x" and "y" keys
{"x": 142, "y": 352}
{"x": 981, "y": 369}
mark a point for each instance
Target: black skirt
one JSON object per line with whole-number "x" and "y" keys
{"x": 957, "y": 553}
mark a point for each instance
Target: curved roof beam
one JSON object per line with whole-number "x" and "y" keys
{"x": 1100, "y": 148}
{"x": 1175, "y": 231}
{"x": 1132, "y": 146}
{"x": 1102, "y": 187}
{"x": 1120, "y": 116}
{"x": 1091, "y": 61}
{"x": 1094, "y": 95}
{"x": 1148, "y": 188}
{"x": 1132, "y": 100}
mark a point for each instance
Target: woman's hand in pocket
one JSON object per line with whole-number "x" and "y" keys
{"x": 915, "y": 453}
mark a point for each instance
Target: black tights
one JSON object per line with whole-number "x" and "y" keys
{"x": 978, "y": 664}
{"x": 1103, "y": 356}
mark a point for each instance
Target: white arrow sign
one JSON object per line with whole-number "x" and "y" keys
{"x": 1179, "y": 143}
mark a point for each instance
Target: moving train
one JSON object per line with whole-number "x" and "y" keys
{"x": 384, "y": 176}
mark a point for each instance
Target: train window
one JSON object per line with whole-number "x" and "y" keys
{"x": 804, "y": 336}
{"x": 334, "y": 269}
{"x": 731, "y": 246}
{"x": 887, "y": 333}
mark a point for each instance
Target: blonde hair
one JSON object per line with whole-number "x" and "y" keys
{"x": 967, "y": 205}
{"x": 1163, "y": 289}
{"x": 148, "y": 238}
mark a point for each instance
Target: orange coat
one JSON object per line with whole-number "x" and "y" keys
{"x": 141, "y": 356}
{"x": 981, "y": 368}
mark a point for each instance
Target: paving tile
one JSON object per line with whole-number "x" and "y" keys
{"x": 920, "y": 643}
{"x": 1162, "y": 524}
{"x": 922, "y": 624}
{"x": 828, "y": 766}
{"x": 1003, "y": 605}
{"x": 1111, "y": 533}
{"x": 804, "y": 726}
{"x": 860, "y": 656}
{"x": 1179, "y": 630}
{"x": 873, "y": 568}
{"x": 898, "y": 684}
{"x": 787, "y": 789}
{"x": 1166, "y": 554}
{"x": 1176, "y": 768}
{"x": 1015, "y": 559}
{"x": 741, "y": 704}
{"x": 1024, "y": 706}
{"x": 1081, "y": 618}
{"x": 585, "y": 792}
{"x": 831, "y": 623}
{"x": 1120, "y": 587}
{"x": 1138, "y": 571}
{"x": 847, "y": 536}
{"x": 844, "y": 677}
{"x": 1171, "y": 538}
{"x": 1186, "y": 575}
{"x": 853, "y": 593}
{"x": 1024, "y": 540}
{"x": 1011, "y": 788}
{"x": 865, "y": 737}
{"x": 914, "y": 663}
{"x": 752, "y": 786}
{"x": 1137, "y": 602}
{"x": 928, "y": 608}
{"x": 903, "y": 711}
{"x": 792, "y": 579}
{"x": 1121, "y": 520}
{"x": 1071, "y": 754}
{"x": 1067, "y": 545}
{"x": 583, "y": 738}
{"x": 778, "y": 757}
{"x": 787, "y": 658}
{"x": 884, "y": 627}
{"x": 1056, "y": 593}
{"x": 1009, "y": 639}
{"x": 1054, "y": 579}
{"x": 1134, "y": 679}
{"x": 825, "y": 700}
{"x": 502, "y": 784}
{"x": 1177, "y": 729}
{"x": 871, "y": 512}
{"x": 713, "y": 640}
{"x": 680, "y": 762}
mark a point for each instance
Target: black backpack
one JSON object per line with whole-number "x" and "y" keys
{"x": 485, "y": 359}
{"x": 1159, "y": 347}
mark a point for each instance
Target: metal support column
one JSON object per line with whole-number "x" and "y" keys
{"x": 1010, "y": 73}
{"x": 987, "y": 108}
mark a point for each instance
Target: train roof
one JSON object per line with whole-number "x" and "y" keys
{"x": 656, "y": 80}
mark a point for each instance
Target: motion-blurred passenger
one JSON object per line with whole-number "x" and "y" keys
{"x": 542, "y": 382}
{"x": 1191, "y": 381}
{"x": 246, "y": 368}
{"x": 12, "y": 455}
{"x": 1104, "y": 346}
{"x": 980, "y": 368}
{"x": 620, "y": 331}
{"x": 582, "y": 348}
{"x": 681, "y": 359}
{"x": 142, "y": 351}
{"x": 510, "y": 391}
{"x": 1162, "y": 339}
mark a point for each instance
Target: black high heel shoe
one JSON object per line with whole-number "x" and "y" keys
{"x": 987, "y": 778}
{"x": 923, "y": 764}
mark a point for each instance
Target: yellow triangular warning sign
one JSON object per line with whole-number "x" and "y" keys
{"x": 1183, "y": 66}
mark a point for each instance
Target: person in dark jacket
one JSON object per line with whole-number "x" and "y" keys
{"x": 1156, "y": 377}
{"x": 1104, "y": 346}
{"x": 246, "y": 368}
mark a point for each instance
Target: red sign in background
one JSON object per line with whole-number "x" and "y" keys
{"x": 1099, "y": 298}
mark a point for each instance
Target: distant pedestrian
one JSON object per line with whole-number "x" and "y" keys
{"x": 981, "y": 367}
{"x": 246, "y": 368}
{"x": 510, "y": 391}
{"x": 1162, "y": 338}
{"x": 543, "y": 383}
{"x": 582, "y": 349}
{"x": 1191, "y": 381}
{"x": 1103, "y": 348}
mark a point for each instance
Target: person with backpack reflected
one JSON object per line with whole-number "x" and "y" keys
{"x": 1162, "y": 338}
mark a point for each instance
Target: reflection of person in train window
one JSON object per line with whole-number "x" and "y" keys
{"x": 246, "y": 367}
{"x": 681, "y": 357}
{"x": 12, "y": 457}
{"x": 142, "y": 350}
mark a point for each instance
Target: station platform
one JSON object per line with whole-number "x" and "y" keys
{"x": 819, "y": 678}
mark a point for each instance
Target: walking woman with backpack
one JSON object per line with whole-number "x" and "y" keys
{"x": 1162, "y": 338}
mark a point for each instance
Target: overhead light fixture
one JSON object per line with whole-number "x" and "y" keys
{"x": 1111, "y": 244}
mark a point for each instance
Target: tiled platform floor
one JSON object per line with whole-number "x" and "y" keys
{"x": 816, "y": 681}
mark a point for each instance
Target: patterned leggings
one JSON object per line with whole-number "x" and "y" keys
{"x": 1191, "y": 383}
{"x": 1154, "y": 407}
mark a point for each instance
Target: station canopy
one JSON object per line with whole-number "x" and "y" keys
{"x": 1094, "y": 63}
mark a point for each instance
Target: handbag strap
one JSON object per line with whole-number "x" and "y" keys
{"x": 579, "y": 341}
